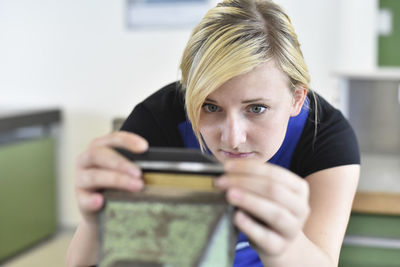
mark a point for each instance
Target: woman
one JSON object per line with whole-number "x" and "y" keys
{"x": 291, "y": 159}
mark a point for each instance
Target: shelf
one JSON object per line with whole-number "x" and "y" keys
{"x": 392, "y": 74}
{"x": 377, "y": 203}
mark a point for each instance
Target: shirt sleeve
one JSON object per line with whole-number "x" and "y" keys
{"x": 142, "y": 122}
{"x": 332, "y": 143}
{"x": 157, "y": 118}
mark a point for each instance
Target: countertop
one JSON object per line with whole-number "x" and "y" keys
{"x": 11, "y": 119}
{"x": 379, "y": 187}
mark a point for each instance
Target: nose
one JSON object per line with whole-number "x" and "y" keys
{"x": 233, "y": 132}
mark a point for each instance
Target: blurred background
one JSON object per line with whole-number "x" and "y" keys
{"x": 69, "y": 68}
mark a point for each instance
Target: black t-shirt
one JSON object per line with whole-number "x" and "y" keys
{"x": 333, "y": 143}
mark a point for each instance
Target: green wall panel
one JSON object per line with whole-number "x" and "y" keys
{"x": 386, "y": 226}
{"x": 354, "y": 256}
{"x": 374, "y": 226}
{"x": 27, "y": 194}
{"x": 389, "y": 46}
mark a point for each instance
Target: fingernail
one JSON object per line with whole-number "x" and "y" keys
{"x": 221, "y": 182}
{"x": 135, "y": 172}
{"x": 135, "y": 184}
{"x": 96, "y": 200}
{"x": 240, "y": 217}
{"x": 235, "y": 195}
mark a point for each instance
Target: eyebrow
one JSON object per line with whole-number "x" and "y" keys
{"x": 254, "y": 100}
{"x": 243, "y": 102}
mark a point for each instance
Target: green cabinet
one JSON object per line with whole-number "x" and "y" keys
{"x": 27, "y": 194}
{"x": 371, "y": 241}
{"x": 28, "y": 212}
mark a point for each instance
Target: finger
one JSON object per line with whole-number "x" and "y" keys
{"x": 122, "y": 139}
{"x": 275, "y": 216}
{"x": 268, "y": 189}
{"x": 104, "y": 157}
{"x": 263, "y": 238}
{"x": 268, "y": 171}
{"x": 89, "y": 202}
{"x": 93, "y": 179}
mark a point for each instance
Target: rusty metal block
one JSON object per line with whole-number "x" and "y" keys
{"x": 167, "y": 225}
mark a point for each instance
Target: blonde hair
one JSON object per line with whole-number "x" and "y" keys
{"x": 232, "y": 39}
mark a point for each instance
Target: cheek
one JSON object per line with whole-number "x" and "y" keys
{"x": 208, "y": 131}
{"x": 268, "y": 136}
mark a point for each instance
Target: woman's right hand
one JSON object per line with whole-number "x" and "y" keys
{"x": 101, "y": 167}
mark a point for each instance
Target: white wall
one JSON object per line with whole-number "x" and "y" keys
{"x": 79, "y": 56}
{"x": 317, "y": 29}
{"x": 357, "y": 39}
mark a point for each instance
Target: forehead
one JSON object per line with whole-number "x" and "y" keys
{"x": 265, "y": 80}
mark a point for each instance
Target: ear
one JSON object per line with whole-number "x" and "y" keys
{"x": 299, "y": 96}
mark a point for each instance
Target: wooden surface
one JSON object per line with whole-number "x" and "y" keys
{"x": 377, "y": 203}
{"x": 190, "y": 181}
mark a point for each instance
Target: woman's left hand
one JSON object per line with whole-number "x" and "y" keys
{"x": 273, "y": 204}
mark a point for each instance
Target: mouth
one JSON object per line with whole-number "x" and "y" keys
{"x": 235, "y": 155}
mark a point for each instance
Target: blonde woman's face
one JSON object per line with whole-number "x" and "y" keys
{"x": 248, "y": 115}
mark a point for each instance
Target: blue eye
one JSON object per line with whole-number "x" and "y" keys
{"x": 210, "y": 108}
{"x": 257, "y": 109}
